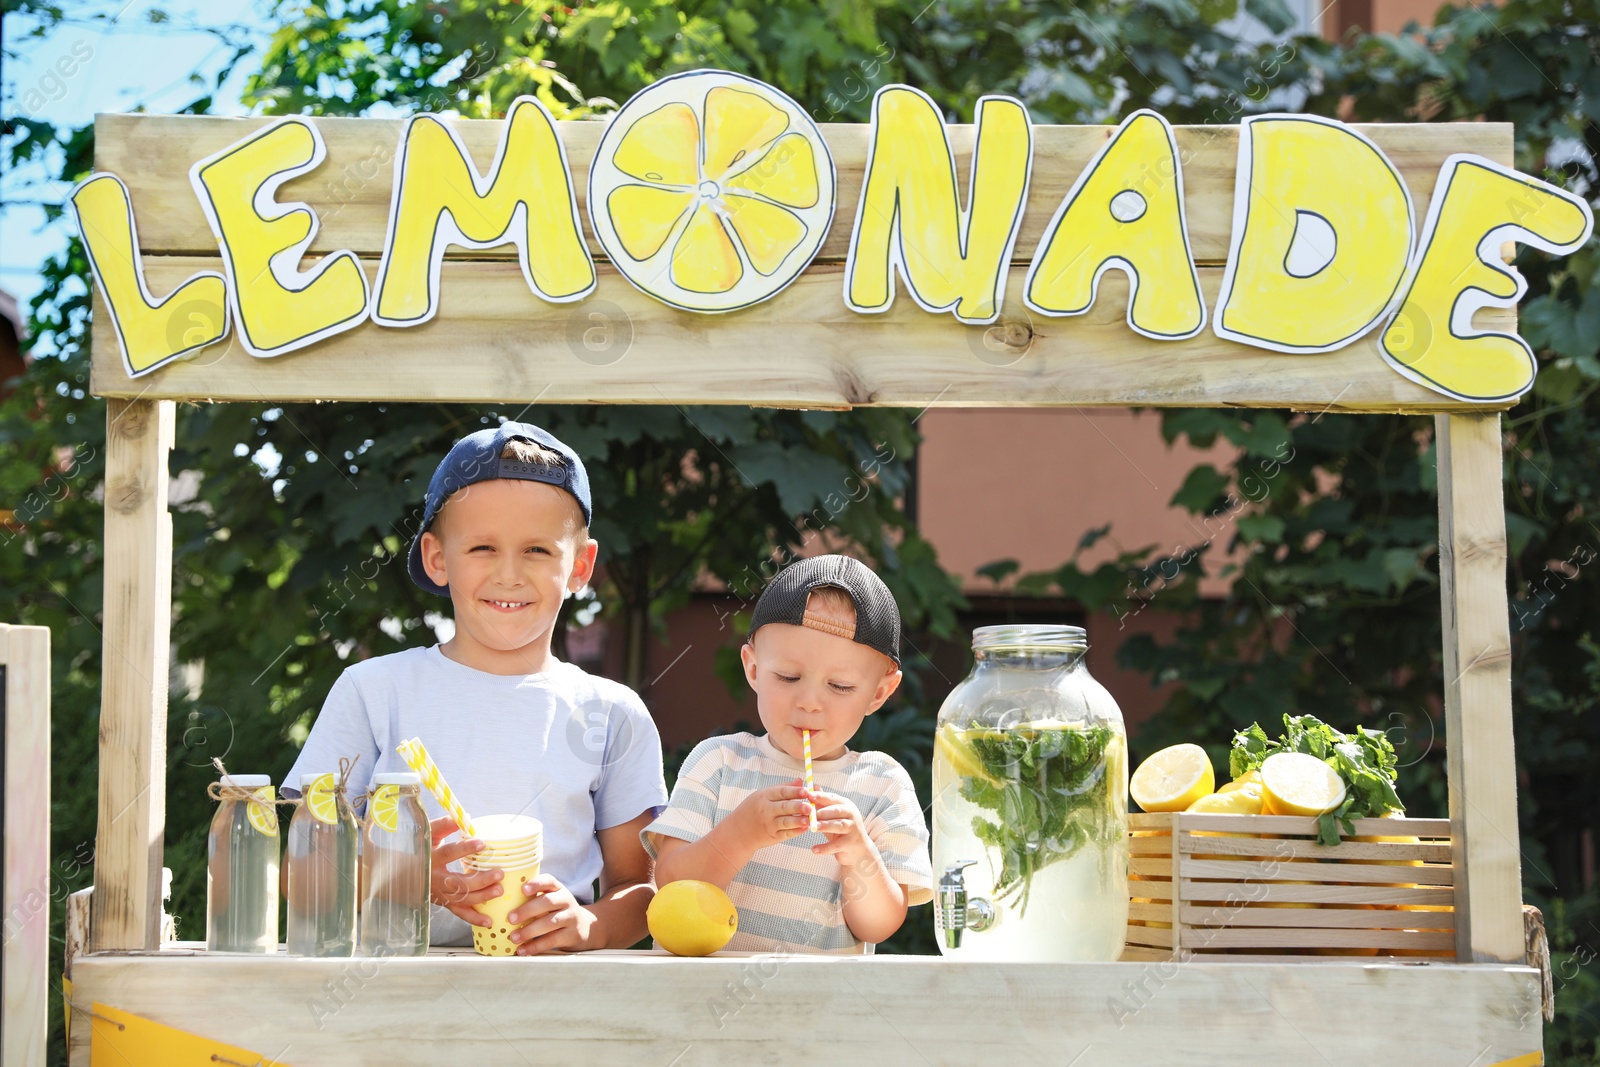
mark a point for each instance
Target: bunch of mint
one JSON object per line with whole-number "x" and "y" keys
{"x": 1364, "y": 759}
{"x": 1050, "y": 792}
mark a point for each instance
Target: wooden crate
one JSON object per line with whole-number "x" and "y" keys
{"x": 1248, "y": 887}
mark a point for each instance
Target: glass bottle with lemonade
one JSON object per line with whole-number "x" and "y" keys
{"x": 242, "y": 866}
{"x": 1030, "y": 803}
{"x": 321, "y": 855}
{"x": 396, "y": 850}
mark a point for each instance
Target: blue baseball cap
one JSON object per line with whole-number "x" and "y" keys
{"x": 476, "y": 458}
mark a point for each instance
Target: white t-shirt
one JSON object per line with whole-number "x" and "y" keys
{"x": 789, "y": 898}
{"x": 577, "y": 752}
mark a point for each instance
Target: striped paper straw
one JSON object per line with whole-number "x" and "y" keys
{"x": 417, "y": 758}
{"x": 811, "y": 784}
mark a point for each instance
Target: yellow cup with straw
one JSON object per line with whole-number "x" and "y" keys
{"x": 513, "y": 843}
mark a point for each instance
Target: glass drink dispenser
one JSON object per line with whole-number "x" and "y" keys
{"x": 1030, "y": 804}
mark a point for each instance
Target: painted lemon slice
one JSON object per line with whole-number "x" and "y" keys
{"x": 711, "y": 191}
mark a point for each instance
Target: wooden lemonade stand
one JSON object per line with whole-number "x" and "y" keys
{"x": 494, "y": 341}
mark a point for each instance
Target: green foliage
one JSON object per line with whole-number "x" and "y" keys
{"x": 1365, "y": 760}
{"x": 1571, "y": 925}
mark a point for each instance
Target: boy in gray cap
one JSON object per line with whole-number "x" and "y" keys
{"x": 823, "y": 654}
{"x": 505, "y": 536}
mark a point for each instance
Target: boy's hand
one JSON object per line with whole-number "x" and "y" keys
{"x": 456, "y": 891}
{"x": 771, "y": 815}
{"x": 552, "y": 921}
{"x": 841, "y": 821}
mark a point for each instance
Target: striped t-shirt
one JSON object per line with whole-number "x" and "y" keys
{"x": 789, "y": 898}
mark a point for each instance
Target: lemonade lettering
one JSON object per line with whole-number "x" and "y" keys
{"x": 712, "y": 192}
{"x": 439, "y": 200}
{"x": 1322, "y": 233}
{"x": 278, "y": 307}
{"x": 910, "y": 219}
{"x": 1124, "y": 212}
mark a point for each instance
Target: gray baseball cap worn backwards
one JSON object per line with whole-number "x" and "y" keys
{"x": 877, "y": 615}
{"x": 476, "y": 458}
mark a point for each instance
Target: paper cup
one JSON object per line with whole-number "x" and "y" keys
{"x": 515, "y": 846}
{"x": 490, "y": 857}
{"x": 495, "y": 828}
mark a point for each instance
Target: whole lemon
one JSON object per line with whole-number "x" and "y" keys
{"x": 690, "y": 918}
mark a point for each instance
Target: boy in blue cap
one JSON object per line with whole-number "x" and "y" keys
{"x": 505, "y": 535}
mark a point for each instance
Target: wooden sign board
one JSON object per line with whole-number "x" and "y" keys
{"x": 293, "y": 265}
{"x": 802, "y": 340}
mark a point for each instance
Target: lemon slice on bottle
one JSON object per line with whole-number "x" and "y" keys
{"x": 1297, "y": 783}
{"x": 385, "y": 807}
{"x": 262, "y": 811}
{"x": 322, "y": 799}
{"x": 1172, "y": 779}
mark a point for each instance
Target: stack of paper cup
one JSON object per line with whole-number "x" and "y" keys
{"x": 514, "y": 844}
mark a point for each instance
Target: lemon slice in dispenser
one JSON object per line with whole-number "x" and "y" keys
{"x": 949, "y": 742}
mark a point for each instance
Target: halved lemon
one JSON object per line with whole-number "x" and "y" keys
{"x": 263, "y": 812}
{"x": 711, "y": 191}
{"x": 1235, "y": 802}
{"x": 1296, "y": 783}
{"x": 1172, "y": 779}
{"x": 385, "y": 807}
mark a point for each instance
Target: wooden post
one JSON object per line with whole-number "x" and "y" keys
{"x": 133, "y": 702}
{"x": 25, "y": 701}
{"x": 1480, "y": 763}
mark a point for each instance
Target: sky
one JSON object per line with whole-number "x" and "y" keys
{"x": 119, "y": 59}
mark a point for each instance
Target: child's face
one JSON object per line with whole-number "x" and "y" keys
{"x": 510, "y": 552}
{"x": 808, "y": 679}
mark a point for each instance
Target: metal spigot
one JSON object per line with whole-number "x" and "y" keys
{"x": 957, "y": 911}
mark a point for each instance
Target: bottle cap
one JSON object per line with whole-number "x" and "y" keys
{"x": 247, "y": 781}
{"x": 396, "y": 778}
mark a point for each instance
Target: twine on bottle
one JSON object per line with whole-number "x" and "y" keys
{"x": 347, "y": 766}
{"x": 226, "y": 790}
